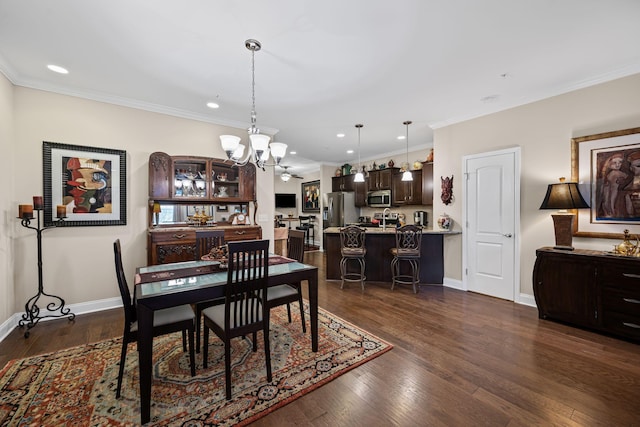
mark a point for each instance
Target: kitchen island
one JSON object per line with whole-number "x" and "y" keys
{"x": 378, "y": 259}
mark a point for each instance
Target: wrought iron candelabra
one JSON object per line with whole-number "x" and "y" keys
{"x": 55, "y": 307}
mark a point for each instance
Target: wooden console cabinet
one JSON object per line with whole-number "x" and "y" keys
{"x": 591, "y": 289}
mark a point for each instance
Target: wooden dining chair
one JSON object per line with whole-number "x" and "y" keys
{"x": 165, "y": 321}
{"x": 242, "y": 312}
{"x": 205, "y": 241}
{"x": 288, "y": 293}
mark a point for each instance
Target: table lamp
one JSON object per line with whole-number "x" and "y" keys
{"x": 156, "y": 210}
{"x": 563, "y": 196}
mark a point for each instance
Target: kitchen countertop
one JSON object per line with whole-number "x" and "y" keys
{"x": 391, "y": 230}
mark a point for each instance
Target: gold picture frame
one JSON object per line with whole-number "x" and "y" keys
{"x": 606, "y": 167}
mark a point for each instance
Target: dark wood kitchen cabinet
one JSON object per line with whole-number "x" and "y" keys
{"x": 406, "y": 192}
{"x": 380, "y": 179}
{"x": 591, "y": 289}
{"x": 343, "y": 183}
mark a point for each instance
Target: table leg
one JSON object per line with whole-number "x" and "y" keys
{"x": 313, "y": 309}
{"x": 145, "y": 360}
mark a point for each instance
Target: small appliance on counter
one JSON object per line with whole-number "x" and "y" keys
{"x": 420, "y": 218}
{"x": 390, "y": 219}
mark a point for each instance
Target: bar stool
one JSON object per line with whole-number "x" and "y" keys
{"x": 408, "y": 243}
{"x": 306, "y": 225}
{"x": 352, "y": 248}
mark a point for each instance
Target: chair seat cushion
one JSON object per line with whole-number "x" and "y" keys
{"x": 353, "y": 252}
{"x": 216, "y": 313}
{"x": 280, "y": 291}
{"x": 167, "y": 316}
{"x": 405, "y": 253}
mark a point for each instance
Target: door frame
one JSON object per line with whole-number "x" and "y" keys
{"x": 516, "y": 152}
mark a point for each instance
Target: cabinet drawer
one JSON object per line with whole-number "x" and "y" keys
{"x": 174, "y": 236}
{"x": 622, "y": 277}
{"x": 244, "y": 233}
{"x": 622, "y": 324}
{"x": 621, "y": 301}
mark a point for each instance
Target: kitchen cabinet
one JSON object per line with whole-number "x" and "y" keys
{"x": 590, "y": 289}
{"x": 406, "y": 192}
{"x": 380, "y": 179}
{"x": 360, "y": 199}
{"x": 343, "y": 183}
{"x": 427, "y": 183}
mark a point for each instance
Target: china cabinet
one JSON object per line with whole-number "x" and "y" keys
{"x": 187, "y": 192}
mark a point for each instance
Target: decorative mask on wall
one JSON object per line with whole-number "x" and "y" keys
{"x": 447, "y": 190}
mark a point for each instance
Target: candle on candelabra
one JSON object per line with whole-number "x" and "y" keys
{"x": 25, "y": 211}
{"x": 61, "y": 211}
{"x": 38, "y": 203}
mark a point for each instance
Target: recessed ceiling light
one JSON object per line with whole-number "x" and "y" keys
{"x": 401, "y": 137}
{"x": 58, "y": 69}
{"x": 349, "y": 151}
{"x": 213, "y": 105}
{"x": 340, "y": 135}
{"x": 293, "y": 152}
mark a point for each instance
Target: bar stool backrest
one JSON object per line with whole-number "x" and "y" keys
{"x": 352, "y": 239}
{"x": 408, "y": 240}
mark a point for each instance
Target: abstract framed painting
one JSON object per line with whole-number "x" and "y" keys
{"x": 311, "y": 196}
{"x": 606, "y": 167}
{"x": 88, "y": 183}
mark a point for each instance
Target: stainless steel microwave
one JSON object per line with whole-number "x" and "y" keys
{"x": 379, "y": 199}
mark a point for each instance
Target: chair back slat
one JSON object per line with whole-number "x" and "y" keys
{"x": 409, "y": 239}
{"x": 352, "y": 237}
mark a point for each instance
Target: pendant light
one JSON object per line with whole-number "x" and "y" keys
{"x": 359, "y": 175}
{"x": 260, "y": 147}
{"x": 407, "y": 176}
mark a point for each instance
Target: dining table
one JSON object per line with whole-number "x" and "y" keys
{"x": 168, "y": 285}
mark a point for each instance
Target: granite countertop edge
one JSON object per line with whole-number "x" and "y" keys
{"x": 391, "y": 230}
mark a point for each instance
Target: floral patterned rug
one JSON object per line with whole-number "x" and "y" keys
{"x": 76, "y": 387}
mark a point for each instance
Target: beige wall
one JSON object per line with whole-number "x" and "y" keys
{"x": 7, "y": 221}
{"x": 543, "y": 130}
{"x": 78, "y": 261}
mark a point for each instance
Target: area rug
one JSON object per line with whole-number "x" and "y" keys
{"x": 77, "y": 386}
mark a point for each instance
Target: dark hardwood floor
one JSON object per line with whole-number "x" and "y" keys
{"x": 460, "y": 359}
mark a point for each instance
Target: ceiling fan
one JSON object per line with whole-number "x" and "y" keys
{"x": 286, "y": 175}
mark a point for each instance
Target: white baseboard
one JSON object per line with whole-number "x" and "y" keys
{"x": 83, "y": 308}
{"x": 452, "y": 283}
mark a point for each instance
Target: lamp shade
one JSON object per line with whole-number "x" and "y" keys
{"x": 563, "y": 195}
{"x": 229, "y": 142}
{"x": 259, "y": 142}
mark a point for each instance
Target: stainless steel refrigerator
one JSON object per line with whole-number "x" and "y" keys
{"x": 339, "y": 209}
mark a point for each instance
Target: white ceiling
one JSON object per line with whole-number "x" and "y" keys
{"x": 324, "y": 65}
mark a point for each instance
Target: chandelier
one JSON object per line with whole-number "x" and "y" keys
{"x": 359, "y": 175}
{"x": 260, "y": 148}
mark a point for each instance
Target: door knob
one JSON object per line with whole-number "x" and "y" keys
{"x": 508, "y": 235}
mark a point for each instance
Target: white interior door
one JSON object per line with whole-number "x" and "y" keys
{"x": 492, "y": 201}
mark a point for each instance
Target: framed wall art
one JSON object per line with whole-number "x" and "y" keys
{"x": 607, "y": 169}
{"x": 88, "y": 183}
{"x": 311, "y": 196}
